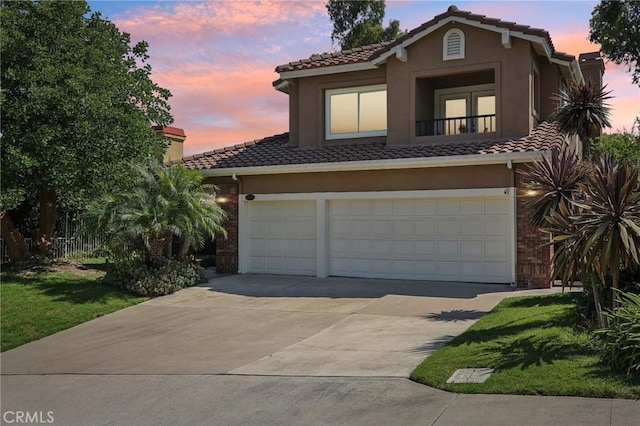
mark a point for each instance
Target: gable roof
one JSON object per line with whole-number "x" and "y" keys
{"x": 369, "y": 57}
{"x": 276, "y": 151}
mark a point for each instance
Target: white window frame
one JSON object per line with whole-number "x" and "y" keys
{"x": 534, "y": 89}
{"x": 445, "y": 53}
{"x": 469, "y": 93}
{"x": 359, "y": 90}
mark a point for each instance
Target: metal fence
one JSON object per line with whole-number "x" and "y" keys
{"x": 70, "y": 241}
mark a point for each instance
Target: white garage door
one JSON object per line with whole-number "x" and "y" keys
{"x": 459, "y": 239}
{"x": 282, "y": 237}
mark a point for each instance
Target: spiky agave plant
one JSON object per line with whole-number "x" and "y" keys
{"x": 582, "y": 111}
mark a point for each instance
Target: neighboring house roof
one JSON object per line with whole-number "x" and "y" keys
{"x": 372, "y": 52}
{"x": 276, "y": 151}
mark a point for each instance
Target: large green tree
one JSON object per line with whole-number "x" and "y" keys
{"x": 358, "y": 23}
{"x": 78, "y": 102}
{"x": 615, "y": 25}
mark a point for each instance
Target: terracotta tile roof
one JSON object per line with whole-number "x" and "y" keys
{"x": 276, "y": 150}
{"x": 368, "y": 53}
{"x": 344, "y": 57}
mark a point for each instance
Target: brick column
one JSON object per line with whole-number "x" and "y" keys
{"x": 227, "y": 249}
{"x": 533, "y": 262}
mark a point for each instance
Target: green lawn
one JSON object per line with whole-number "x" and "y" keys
{"x": 534, "y": 348}
{"x": 35, "y": 304}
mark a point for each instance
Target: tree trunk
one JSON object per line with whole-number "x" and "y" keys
{"x": 614, "y": 296}
{"x": 586, "y": 146}
{"x": 17, "y": 249}
{"x": 46, "y": 223}
{"x": 596, "y": 300}
{"x": 184, "y": 249}
{"x": 169, "y": 246}
{"x": 156, "y": 249}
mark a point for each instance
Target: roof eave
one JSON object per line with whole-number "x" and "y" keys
{"x": 404, "y": 163}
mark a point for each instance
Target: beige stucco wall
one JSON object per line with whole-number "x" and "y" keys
{"x": 490, "y": 176}
{"x": 484, "y": 52}
{"x": 310, "y": 102}
{"x": 174, "y": 151}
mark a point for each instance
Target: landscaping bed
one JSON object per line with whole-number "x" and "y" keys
{"x": 38, "y": 301}
{"x": 535, "y": 349}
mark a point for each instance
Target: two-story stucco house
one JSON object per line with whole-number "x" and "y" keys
{"x": 401, "y": 159}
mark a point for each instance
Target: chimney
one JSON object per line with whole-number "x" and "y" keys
{"x": 176, "y": 138}
{"x": 592, "y": 67}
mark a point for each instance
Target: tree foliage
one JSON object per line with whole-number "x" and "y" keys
{"x": 359, "y": 23}
{"x": 162, "y": 203}
{"x": 78, "y": 103}
{"x": 615, "y": 25}
{"x": 622, "y": 146}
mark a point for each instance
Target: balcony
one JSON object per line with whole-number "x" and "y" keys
{"x": 457, "y": 125}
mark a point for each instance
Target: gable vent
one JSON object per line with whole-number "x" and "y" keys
{"x": 453, "y": 45}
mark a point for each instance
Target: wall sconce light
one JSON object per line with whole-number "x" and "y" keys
{"x": 221, "y": 200}
{"x": 531, "y": 193}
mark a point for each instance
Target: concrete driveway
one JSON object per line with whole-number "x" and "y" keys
{"x": 268, "y": 325}
{"x": 263, "y": 350}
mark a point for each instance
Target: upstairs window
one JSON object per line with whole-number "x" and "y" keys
{"x": 453, "y": 45}
{"x": 356, "y": 112}
{"x": 535, "y": 91}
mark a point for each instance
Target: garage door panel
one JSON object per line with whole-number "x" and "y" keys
{"x": 381, "y": 208}
{"x": 472, "y": 269}
{"x": 467, "y": 239}
{"x": 425, "y": 248}
{"x": 496, "y": 226}
{"x": 497, "y": 206}
{"x": 449, "y": 226}
{"x": 402, "y": 228}
{"x": 425, "y": 268}
{"x": 381, "y": 228}
{"x": 447, "y": 248}
{"x": 472, "y": 249}
{"x": 381, "y": 247}
{"x": 448, "y": 207}
{"x": 472, "y": 207}
{"x": 282, "y": 237}
{"x": 361, "y": 208}
{"x": 472, "y": 227}
{"x": 496, "y": 249}
{"x": 425, "y": 208}
{"x": 401, "y": 248}
{"x": 425, "y": 227}
{"x": 402, "y": 208}
{"x": 360, "y": 227}
{"x": 447, "y": 268}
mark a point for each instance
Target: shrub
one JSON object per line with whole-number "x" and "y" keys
{"x": 141, "y": 278}
{"x": 621, "y": 338}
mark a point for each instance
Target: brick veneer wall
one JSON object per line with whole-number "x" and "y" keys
{"x": 533, "y": 262}
{"x": 227, "y": 249}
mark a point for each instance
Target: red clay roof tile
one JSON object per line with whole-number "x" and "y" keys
{"x": 370, "y": 52}
{"x": 276, "y": 150}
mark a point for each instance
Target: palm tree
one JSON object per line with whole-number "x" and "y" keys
{"x": 582, "y": 111}
{"x": 161, "y": 203}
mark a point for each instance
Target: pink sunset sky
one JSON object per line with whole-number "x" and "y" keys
{"x": 218, "y": 57}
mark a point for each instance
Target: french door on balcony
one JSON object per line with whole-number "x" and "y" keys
{"x": 469, "y": 109}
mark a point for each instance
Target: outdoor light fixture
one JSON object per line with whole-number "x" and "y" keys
{"x": 221, "y": 200}
{"x": 531, "y": 193}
